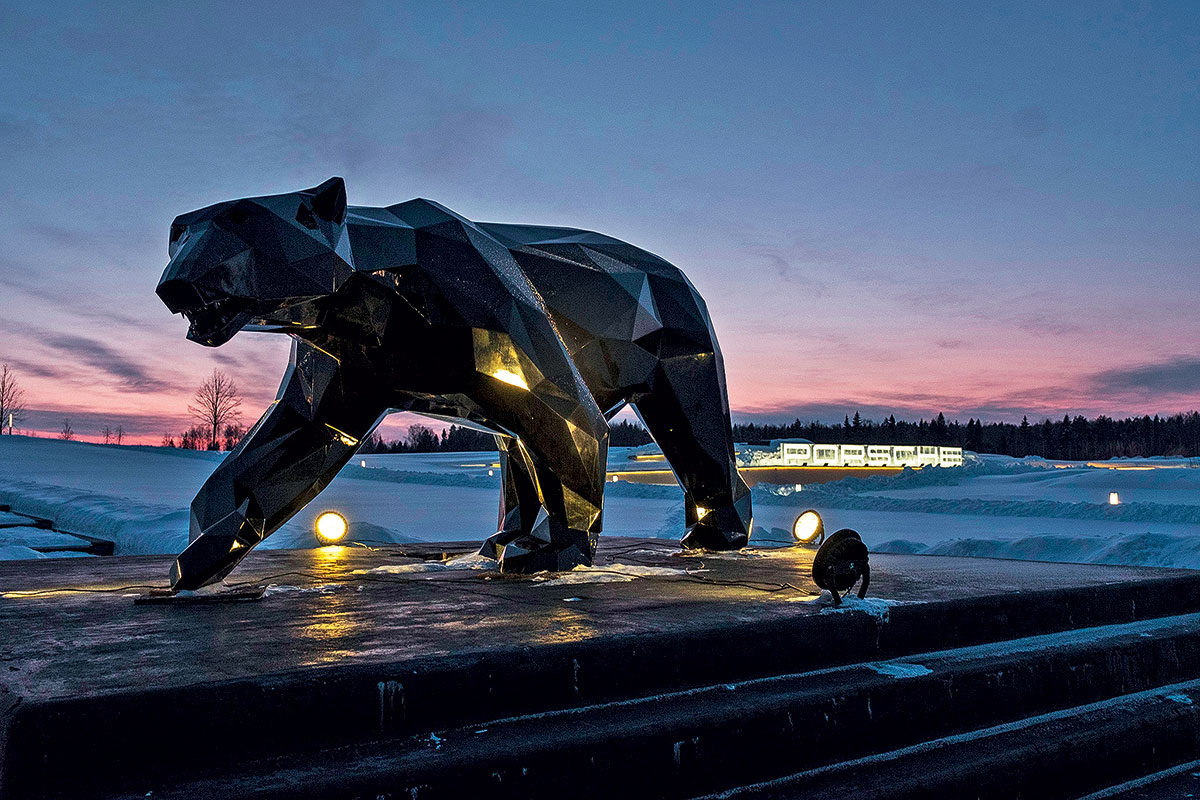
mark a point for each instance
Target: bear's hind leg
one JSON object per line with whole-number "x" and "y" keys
{"x": 519, "y": 503}
{"x": 564, "y": 517}
{"x": 564, "y": 509}
{"x": 688, "y": 416}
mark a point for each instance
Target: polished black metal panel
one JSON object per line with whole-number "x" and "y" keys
{"x": 538, "y": 334}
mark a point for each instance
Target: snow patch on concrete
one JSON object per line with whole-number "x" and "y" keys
{"x": 876, "y": 607}
{"x": 17, "y": 552}
{"x": 898, "y": 670}
{"x": 135, "y": 528}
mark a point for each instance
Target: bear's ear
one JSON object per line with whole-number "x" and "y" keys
{"x": 329, "y": 200}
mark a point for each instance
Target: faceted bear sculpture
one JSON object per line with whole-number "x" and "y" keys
{"x": 537, "y": 334}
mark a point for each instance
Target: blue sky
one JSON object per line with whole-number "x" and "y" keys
{"x": 889, "y": 207}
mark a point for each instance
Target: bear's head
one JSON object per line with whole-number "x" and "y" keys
{"x": 259, "y": 260}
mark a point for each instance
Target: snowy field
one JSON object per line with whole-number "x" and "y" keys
{"x": 994, "y": 506}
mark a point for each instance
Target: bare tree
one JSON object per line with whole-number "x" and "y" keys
{"x": 119, "y": 434}
{"x": 12, "y": 400}
{"x": 107, "y": 434}
{"x": 66, "y": 434}
{"x": 216, "y": 403}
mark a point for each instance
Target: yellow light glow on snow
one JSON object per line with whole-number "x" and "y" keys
{"x": 1114, "y": 499}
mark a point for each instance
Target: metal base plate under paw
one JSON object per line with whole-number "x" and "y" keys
{"x": 168, "y": 597}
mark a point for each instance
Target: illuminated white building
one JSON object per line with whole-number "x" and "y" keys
{"x": 803, "y": 453}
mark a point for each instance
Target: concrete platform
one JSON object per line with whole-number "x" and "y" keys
{"x": 99, "y": 696}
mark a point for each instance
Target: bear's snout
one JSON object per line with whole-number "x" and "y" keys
{"x": 179, "y": 295}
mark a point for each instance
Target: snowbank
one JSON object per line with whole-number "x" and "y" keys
{"x": 135, "y": 528}
{"x": 994, "y": 506}
{"x": 1142, "y": 549}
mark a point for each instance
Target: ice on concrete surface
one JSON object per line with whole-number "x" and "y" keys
{"x": 324, "y": 588}
{"x": 608, "y": 573}
{"x": 472, "y": 561}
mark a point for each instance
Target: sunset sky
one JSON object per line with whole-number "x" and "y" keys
{"x": 891, "y": 208}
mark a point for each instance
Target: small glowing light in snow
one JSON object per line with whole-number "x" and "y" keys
{"x": 331, "y": 527}
{"x": 489, "y": 473}
{"x": 615, "y": 479}
{"x": 808, "y": 527}
{"x": 1114, "y": 499}
{"x": 510, "y": 377}
{"x": 362, "y": 463}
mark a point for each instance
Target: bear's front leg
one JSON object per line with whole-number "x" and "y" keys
{"x": 307, "y": 435}
{"x": 687, "y": 413}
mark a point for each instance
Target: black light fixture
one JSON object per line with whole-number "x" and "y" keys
{"x": 842, "y": 562}
{"x": 808, "y": 528}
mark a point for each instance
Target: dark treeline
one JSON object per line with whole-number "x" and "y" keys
{"x": 1068, "y": 438}
{"x": 198, "y": 437}
{"x": 457, "y": 439}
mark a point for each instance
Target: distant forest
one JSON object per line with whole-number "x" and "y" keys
{"x": 1069, "y": 438}
{"x": 457, "y": 439}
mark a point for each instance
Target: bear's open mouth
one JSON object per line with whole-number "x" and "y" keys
{"x": 216, "y": 322}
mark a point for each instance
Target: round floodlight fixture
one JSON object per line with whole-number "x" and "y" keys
{"x": 808, "y": 529}
{"x": 331, "y": 527}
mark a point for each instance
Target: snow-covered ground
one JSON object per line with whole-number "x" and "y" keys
{"x": 994, "y": 506}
